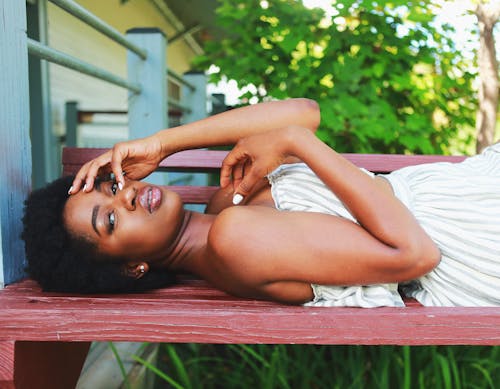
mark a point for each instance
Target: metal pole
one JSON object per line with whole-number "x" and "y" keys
{"x": 60, "y": 58}
{"x": 180, "y": 80}
{"x": 177, "y": 104}
{"x": 85, "y": 16}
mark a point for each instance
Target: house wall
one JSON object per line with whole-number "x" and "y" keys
{"x": 70, "y": 35}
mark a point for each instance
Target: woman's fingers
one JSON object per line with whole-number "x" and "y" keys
{"x": 228, "y": 164}
{"x": 87, "y": 174}
{"x": 239, "y": 170}
{"x": 119, "y": 154}
{"x": 141, "y": 157}
{"x": 246, "y": 185}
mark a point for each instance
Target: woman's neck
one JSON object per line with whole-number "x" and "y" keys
{"x": 189, "y": 248}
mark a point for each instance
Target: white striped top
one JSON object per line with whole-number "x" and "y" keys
{"x": 458, "y": 205}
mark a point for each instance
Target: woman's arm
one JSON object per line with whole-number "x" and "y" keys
{"x": 388, "y": 232}
{"x": 138, "y": 158}
{"x": 229, "y": 127}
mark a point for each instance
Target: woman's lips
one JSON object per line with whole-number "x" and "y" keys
{"x": 150, "y": 198}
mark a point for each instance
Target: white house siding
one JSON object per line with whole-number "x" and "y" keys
{"x": 70, "y": 35}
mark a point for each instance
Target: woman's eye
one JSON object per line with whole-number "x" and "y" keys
{"x": 114, "y": 187}
{"x": 111, "y": 224}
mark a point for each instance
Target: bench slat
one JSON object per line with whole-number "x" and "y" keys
{"x": 192, "y": 311}
{"x": 191, "y": 160}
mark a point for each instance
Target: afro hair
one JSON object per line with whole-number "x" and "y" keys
{"x": 60, "y": 262}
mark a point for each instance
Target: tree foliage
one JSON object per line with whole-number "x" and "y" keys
{"x": 386, "y": 79}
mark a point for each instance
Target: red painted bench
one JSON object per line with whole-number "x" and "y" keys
{"x": 40, "y": 332}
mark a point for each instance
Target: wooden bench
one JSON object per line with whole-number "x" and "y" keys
{"x": 44, "y": 337}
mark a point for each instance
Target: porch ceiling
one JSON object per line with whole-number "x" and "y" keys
{"x": 197, "y": 18}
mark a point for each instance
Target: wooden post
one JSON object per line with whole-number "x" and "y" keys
{"x": 71, "y": 123}
{"x": 15, "y": 147}
{"x": 147, "y": 111}
{"x": 41, "y": 365}
{"x": 195, "y": 99}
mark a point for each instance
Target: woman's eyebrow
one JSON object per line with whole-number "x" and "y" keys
{"x": 95, "y": 211}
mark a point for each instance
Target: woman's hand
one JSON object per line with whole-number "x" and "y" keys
{"x": 254, "y": 157}
{"x": 137, "y": 158}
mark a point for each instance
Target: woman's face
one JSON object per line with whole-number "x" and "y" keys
{"x": 139, "y": 222}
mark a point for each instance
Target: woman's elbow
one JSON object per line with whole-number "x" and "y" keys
{"x": 419, "y": 260}
{"x": 309, "y": 112}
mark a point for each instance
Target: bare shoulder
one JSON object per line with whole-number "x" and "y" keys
{"x": 234, "y": 266}
{"x": 246, "y": 255}
{"x": 238, "y": 230}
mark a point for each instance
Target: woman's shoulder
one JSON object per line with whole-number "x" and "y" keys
{"x": 234, "y": 246}
{"x": 235, "y": 222}
{"x": 241, "y": 229}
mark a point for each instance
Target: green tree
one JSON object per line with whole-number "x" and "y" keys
{"x": 386, "y": 79}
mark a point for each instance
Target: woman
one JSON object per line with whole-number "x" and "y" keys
{"x": 258, "y": 250}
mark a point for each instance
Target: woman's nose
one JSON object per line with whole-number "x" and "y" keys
{"x": 127, "y": 197}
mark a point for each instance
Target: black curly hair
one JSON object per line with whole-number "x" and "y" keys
{"x": 61, "y": 262}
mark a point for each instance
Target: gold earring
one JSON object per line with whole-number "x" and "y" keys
{"x": 142, "y": 269}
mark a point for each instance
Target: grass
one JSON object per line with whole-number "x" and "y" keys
{"x": 306, "y": 366}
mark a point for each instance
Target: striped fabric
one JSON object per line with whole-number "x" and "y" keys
{"x": 295, "y": 187}
{"x": 457, "y": 204}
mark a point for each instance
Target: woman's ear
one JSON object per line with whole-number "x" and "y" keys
{"x": 136, "y": 269}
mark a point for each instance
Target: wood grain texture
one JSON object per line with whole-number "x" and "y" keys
{"x": 203, "y": 160}
{"x": 15, "y": 148}
{"x": 195, "y": 312}
{"x": 7, "y": 363}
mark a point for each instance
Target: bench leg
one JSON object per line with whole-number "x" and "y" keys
{"x": 41, "y": 364}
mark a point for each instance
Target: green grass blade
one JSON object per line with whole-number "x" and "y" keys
{"x": 457, "y": 384}
{"x": 485, "y": 373}
{"x": 406, "y": 367}
{"x": 445, "y": 371}
{"x": 120, "y": 364}
{"x": 158, "y": 372}
{"x": 179, "y": 366}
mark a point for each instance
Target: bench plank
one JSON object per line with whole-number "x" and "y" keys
{"x": 211, "y": 160}
{"x": 193, "y": 311}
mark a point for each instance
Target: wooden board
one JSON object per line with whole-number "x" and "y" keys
{"x": 195, "y": 312}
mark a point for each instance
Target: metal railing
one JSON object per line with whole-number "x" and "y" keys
{"x": 148, "y": 102}
{"x": 180, "y": 80}
{"x": 85, "y": 16}
{"x": 52, "y": 55}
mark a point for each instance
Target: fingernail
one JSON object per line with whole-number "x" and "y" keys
{"x": 237, "y": 199}
{"x": 85, "y": 188}
{"x": 120, "y": 186}
{"x": 70, "y": 190}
